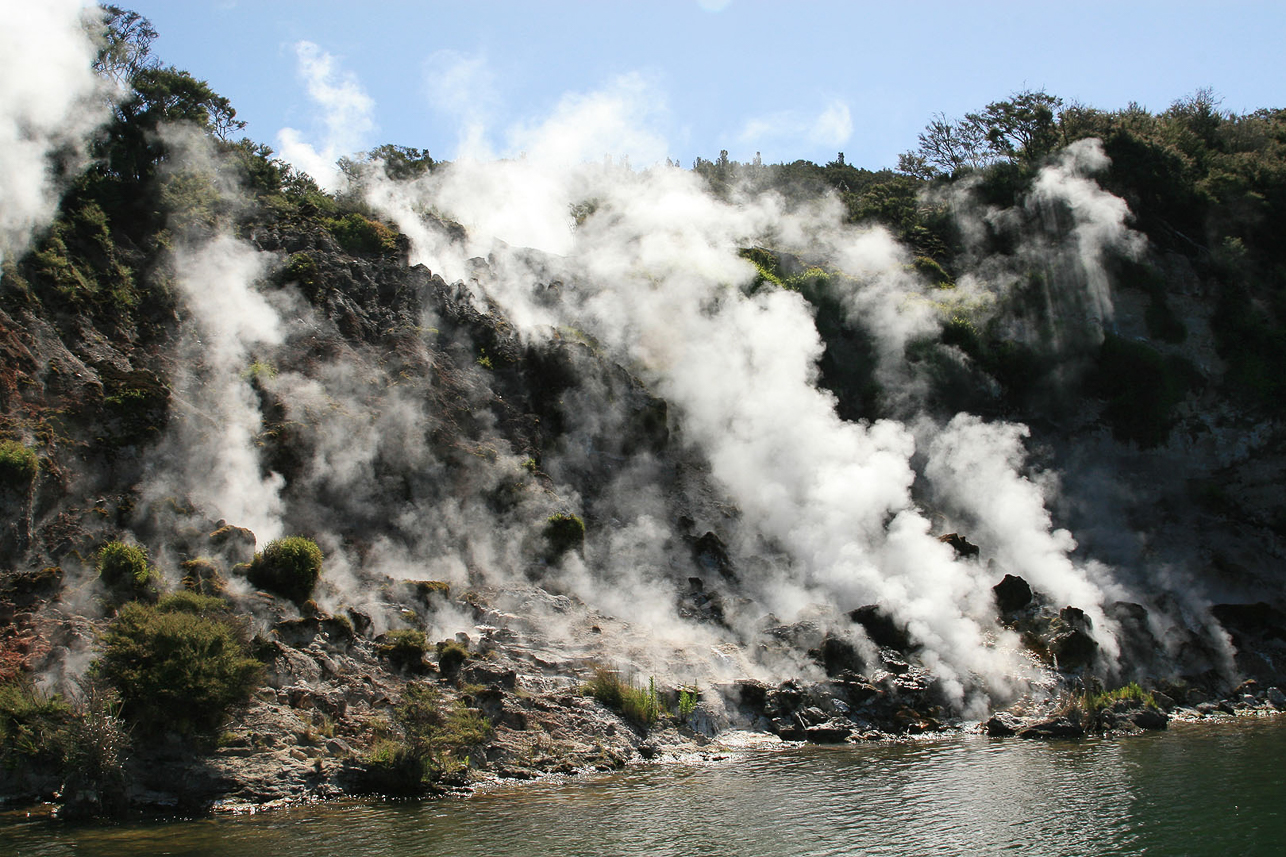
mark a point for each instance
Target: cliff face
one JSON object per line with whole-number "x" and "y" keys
{"x": 667, "y": 451}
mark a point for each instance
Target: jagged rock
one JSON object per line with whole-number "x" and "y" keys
{"x": 1061, "y": 726}
{"x": 1003, "y": 724}
{"x": 1276, "y": 697}
{"x": 1073, "y": 649}
{"x": 962, "y": 546}
{"x": 837, "y": 656}
{"x": 1012, "y": 594}
{"x": 235, "y": 545}
{"x": 488, "y": 674}
{"x": 830, "y": 732}
{"x": 1149, "y": 718}
{"x": 881, "y": 628}
{"x": 711, "y": 554}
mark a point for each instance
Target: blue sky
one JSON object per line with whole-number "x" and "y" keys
{"x": 790, "y": 80}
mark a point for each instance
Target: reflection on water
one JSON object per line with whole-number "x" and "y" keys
{"x": 1197, "y": 789}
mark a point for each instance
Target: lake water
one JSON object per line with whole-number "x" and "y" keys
{"x": 1199, "y": 789}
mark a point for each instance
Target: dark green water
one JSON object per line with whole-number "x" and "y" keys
{"x": 1196, "y": 789}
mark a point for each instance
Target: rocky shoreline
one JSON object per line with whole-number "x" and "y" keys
{"x": 330, "y": 695}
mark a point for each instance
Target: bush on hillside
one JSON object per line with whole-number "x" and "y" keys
{"x": 289, "y": 567}
{"x": 178, "y": 664}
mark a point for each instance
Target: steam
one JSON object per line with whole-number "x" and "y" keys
{"x": 653, "y": 274}
{"x": 210, "y": 455}
{"x": 825, "y": 515}
{"x": 50, "y": 101}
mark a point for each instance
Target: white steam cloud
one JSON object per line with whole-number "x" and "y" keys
{"x": 210, "y": 455}
{"x": 50, "y": 101}
{"x": 653, "y": 274}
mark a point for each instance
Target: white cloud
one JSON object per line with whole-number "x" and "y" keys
{"x": 462, "y": 86}
{"x": 833, "y": 126}
{"x": 346, "y": 116}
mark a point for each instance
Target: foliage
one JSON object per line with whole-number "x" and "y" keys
{"x": 563, "y": 532}
{"x": 178, "y": 664}
{"x": 125, "y": 567}
{"x": 31, "y": 724}
{"x": 18, "y": 465}
{"x": 688, "y": 698}
{"x": 358, "y": 234}
{"x": 1142, "y": 388}
{"x": 290, "y": 567}
{"x": 79, "y": 259}
{"x": 451, "y": 655}
{"x": 437, "y": 735}
{"x": 1093, "y": 702}
{"x": 640, "y": 706}
{"x": 404, "y": 648}
{"x": 401, "y": 163}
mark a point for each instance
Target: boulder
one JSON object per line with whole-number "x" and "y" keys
{"x": 881, "y": 628}
{"x": 1003, "y": 724}
{"x": 1060, "y": 726}
{"x": 830, "y": 732}
{"x": 962, "y": 546}
{"x": 1012, "y": 594}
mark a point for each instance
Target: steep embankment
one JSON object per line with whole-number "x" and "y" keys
{"x": 312, "y": 493}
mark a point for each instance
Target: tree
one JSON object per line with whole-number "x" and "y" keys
{"x": 951, "y": 146}
{"x": 127, "y": 45}
{"x": 1022, "y": 128}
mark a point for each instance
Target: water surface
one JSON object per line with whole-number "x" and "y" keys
{"x": 1197, "y": 789}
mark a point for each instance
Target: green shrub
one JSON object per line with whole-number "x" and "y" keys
{"x": 18, "y": 465}
{"x": 441, "y": 731}
{"x": 124, "y": 567}
{"x": 563, "y": 532}
{"x": 357, "y": 234}
{"x": 641, "y": 706}
{"x": 405, "y": 648}
{"x": 688, "y": 697}
{"x": 178, "y": 664}
{"x": 289, "y": 567}
{"x": 436, "y": 736}
{"x": 450, "y": 656}
{"x": 31, "y": 725}
{"x": 1142, "y": 388}
{"x": 393, "y": 768}
{"x": 1094, "y": 702}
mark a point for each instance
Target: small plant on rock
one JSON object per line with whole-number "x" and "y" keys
{"x": 18, "y": 465}
{"x": 450, "y": 656}
{"x": 563, "y": 532}
{"x": 405, "y": 648}
{"x": 289, "y": 567}
{"x": 640, "y": 706}
{"x": 125, "y": 567}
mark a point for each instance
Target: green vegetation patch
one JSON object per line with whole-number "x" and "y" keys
{"x": 179, "y": 664}
{"x": 436, "y": 735}
{"x": 1142, "y": 388}
{"x": 563, "y": 532}
{"x": 641, "y": 706}
{"x": 31, "y": 724}
{"x": 404, "y": 648}
{"x": 125, "y": 567}
{"x": 358, "y": 234}
{"x": 289, "y": 567}
{"x": 18, "y": 465}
